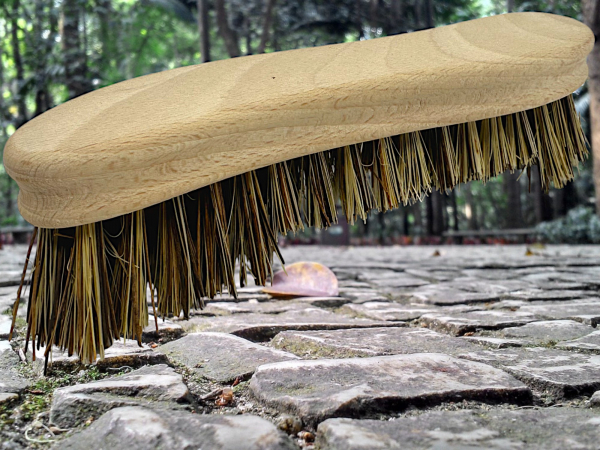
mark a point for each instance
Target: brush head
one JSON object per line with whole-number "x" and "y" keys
{"x": 140, "y": 142}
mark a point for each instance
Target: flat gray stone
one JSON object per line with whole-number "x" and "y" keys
{"x": 137, "y": 428}
{"x": 543, "y": 429}
{"x": 435, "y": 275}
{"x": 221, "y": 357}
{"x": 252, "y": 306}
{"x": 560, "y": 373}
{"x": 368, "y": 342}
{"x": 496, "y": 287}
{"x": 585, "y": 311}
{"x": 462, "y": 322}
{"x": 120, "y": 354}
{"x": 11, "y": 381}
{"x": 157, "y": 385}
{"x": 363, "y": 295}
{"x": 388, "y": 311}
{"x": 395, "y": 281}
{"x": 262, "y": 327}
{"x": 7, "y": 397}
{"x": 5, "y": 323}
{"x": 441, "y": 295}
{"x": 320, "y": 389}
{"x": 4, "y": 346}
{"x": 595, "y": 399}
{"x": 167, "y": 331}
{"x": 591, "y": 343}
{"x": 493, "y": 342}
{"x": 548, "y": 295}
{"x": 547, "y": 331}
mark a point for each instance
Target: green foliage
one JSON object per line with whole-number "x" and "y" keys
{"x": 579, "y": 226}
{"x": 122, "y": 39}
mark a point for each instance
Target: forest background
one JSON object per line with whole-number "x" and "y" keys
{"x": 55, "y": 50}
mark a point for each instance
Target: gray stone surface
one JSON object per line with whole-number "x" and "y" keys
{"x": 585, "y": 311}
{"x": 369, "y": 342}
{"x": 254, "y": 306}
{"x": 445, "y": 295}
{"x": 167, "y": 331}
{"x": 548, "y": 295}
{"x": 388, "y": 311}
{"x": 221, "y": 357}
{"x": 560, "y": 373}
{"x": 157, "y": 385}
{"x": 7, "y": 397}
{"x": 463, "y": 322}
{"x": 547, "y": 331}
{"x": 137, "y": 428}
{"x": 5, "y": 323}
{"x": 260, "y": 327}
{"x": 550, "y": 429}
{"x": 493, "y": 342}
{"x": 495, "y": 296}
{"x": 591, "y": 343}
{"x": 317, "y": 390}
{"x": 5, "y": 345}
{"x": 595, "y": 399}
{"x": 11, "y": 381}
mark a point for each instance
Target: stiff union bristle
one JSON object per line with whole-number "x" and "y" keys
{"x": 89, "y": 283}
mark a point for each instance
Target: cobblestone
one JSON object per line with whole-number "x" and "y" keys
{"x": 441, "y": 350}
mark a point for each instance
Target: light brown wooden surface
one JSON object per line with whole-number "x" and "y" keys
{"x": 143, "y": 141}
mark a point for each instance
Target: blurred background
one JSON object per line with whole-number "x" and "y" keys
{"x": 54, "y": 50}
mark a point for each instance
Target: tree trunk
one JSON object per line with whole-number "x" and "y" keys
{"x": 267, "y": 23}
{"x": 203, "y": 29}
{"x": 429, "y": 214}
{"x": 565, "y": 199}
{"x": 510, "y": 5}
{"x": 541, "y": 201}
{"x": 470, "y": 208}
{"x": 229, "y": 36}
{"x": 454, "y": 211}
{"x": 513, "y": 217}
{"x": 417, "y": 10}
{"x": 76, "y": 72}
{"x": 43, "y": 98}
{"x": 435, "y": 214}
{"x": 591, "y": 15}
{"x": 18, "y": 62}
{"x": 396, "y": 19}
{"x": 374, "y": 13}
{"x": 418, "y": 217}
{"x": 429, "y": 14}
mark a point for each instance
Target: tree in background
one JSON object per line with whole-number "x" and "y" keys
{"x": 53, "y": 51}
{"x": 591, "y": 13}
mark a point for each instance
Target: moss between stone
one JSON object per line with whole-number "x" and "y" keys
{"x": 307, "y": 349}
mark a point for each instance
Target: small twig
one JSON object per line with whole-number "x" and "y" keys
{"x": 212, "y": 395}
{"x": 118, "y": 369}
{"x": 22, "y": 355}
{"x": 38, "y": 441}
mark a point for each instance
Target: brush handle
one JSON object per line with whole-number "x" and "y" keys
{"x": 143, "y": 141}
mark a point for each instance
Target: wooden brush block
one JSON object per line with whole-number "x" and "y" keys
{"x": 143, "y": 141}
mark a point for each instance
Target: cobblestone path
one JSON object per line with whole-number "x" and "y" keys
{"x": 490, "y": 347}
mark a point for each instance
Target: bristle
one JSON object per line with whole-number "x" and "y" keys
{"x": 89, "y": 283}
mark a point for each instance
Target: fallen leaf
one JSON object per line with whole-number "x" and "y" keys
{"x": 304, "y": 279}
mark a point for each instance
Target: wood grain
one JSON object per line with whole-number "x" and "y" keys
{"x": 143, "y": 141}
